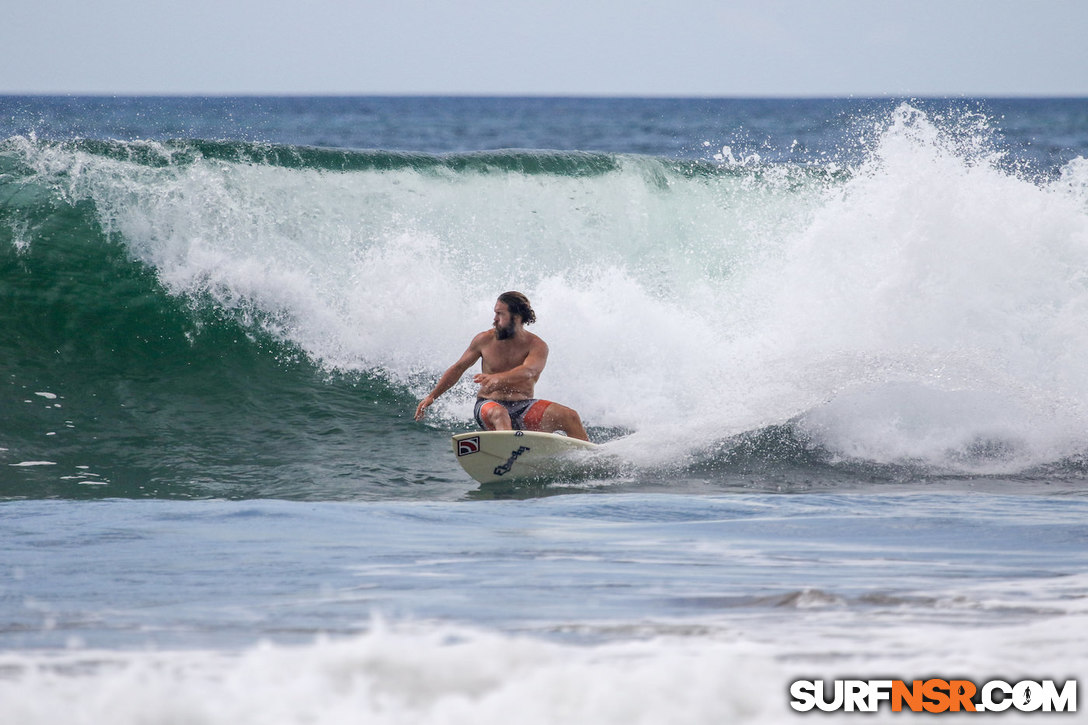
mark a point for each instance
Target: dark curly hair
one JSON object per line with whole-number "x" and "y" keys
{"x": 519, "y": 305}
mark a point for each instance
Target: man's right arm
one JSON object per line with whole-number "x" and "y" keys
{"x": 452, "y": 375}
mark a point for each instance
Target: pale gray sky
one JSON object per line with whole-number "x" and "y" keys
{"x": 553, "y": 47}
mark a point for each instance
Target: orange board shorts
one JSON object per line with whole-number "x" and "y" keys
{"x": 524, "y": 414}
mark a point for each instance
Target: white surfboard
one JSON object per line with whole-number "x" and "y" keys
{"x": 490, "y": 456}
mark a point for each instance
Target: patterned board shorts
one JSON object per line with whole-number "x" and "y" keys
{"x": 524, "y": 414}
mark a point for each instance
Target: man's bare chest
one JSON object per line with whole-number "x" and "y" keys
{"x": 499, "y": 357}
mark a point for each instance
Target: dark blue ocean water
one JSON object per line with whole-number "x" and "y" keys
{"x": 1048, "y": 132}
{"x": 836, "y": 346}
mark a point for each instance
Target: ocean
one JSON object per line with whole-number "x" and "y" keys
{"x": 836, "y": 352}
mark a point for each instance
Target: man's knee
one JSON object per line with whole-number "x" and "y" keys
{"x": 561, "y": 415}
{"x": 569, "y": 421}
{"x": 496, "y": 417}
{"x": 568, "y": 414}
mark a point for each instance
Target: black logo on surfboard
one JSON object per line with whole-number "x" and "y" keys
{"x": 505, "y": 468}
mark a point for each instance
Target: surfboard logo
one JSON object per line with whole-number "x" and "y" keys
{"x": 505, "y": 468}
{"x": 467, "y": 446}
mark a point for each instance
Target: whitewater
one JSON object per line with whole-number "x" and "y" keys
{"x": 835, "y": 352}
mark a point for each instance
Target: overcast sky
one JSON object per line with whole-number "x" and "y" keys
{"x": 551, "y": 47}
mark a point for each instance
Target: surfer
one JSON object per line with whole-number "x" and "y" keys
{"x": 512, "y": 360}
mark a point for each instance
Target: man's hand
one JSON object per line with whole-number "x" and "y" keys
{"x": 423, "y": 405}
{"x": 489, "y": 384}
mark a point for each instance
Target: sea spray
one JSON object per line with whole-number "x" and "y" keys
{"x": 934, "y": 269}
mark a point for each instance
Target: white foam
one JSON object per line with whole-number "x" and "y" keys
{"x": 938, "y": 271}
{"x": 701, "y": 673}
{"x": 437, "y": 675}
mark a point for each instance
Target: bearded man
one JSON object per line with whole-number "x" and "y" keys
{"x": 512, "y": 360}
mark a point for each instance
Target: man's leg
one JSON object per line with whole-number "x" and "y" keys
{"x": 495, "y": 416}
{"x": 560, "y": 417}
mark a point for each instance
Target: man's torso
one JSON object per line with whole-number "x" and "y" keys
{"x": 499, "y": 356}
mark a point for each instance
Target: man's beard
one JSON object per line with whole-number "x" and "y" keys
{"x": 504, "y": 333}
